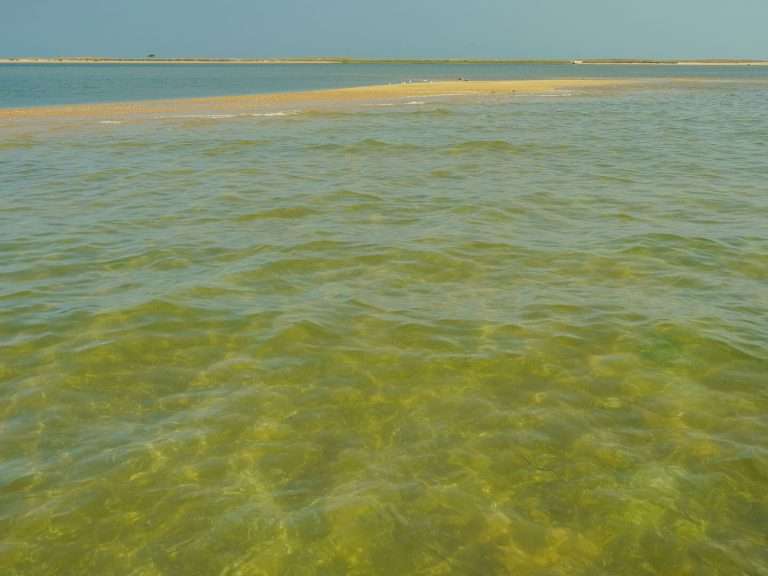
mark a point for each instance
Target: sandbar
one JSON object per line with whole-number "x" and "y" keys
{"x": 389, "y": 93}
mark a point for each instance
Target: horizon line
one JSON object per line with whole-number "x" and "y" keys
{"x": 154, "y": 58}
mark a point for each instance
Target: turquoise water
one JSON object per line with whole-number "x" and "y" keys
{"x": 49, "y": 84}
{"x": 520, "y": 335}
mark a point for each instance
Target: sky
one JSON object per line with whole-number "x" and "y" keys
{"x": 387, "y": 29}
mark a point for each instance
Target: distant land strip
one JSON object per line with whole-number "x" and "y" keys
{"x": 334, "y": 60}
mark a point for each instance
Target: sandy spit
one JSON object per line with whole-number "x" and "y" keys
{"x": 250, "y": 103}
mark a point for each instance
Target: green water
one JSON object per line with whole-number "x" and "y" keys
{"x": 522, "y": 336}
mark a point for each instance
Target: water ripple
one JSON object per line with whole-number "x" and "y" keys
{"x": 510, "y": 337}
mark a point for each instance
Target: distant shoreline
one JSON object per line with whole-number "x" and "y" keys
{"x": 672, "y": 62}
{"x": 156, "y": 60}
{"x": 94, "y": 60}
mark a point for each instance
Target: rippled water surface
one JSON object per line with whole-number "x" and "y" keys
{"x": 518, "y": 336}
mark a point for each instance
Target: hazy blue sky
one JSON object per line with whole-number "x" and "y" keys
{"x": 396, "y": 28}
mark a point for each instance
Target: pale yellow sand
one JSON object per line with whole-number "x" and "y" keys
{"x": 251, "y": 103}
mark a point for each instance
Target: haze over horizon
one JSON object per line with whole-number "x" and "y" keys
{"x": 395, "y": 29}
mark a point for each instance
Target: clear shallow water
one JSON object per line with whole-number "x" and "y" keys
{"x": 48, "y": 84}
{"x": 521, "y": 336}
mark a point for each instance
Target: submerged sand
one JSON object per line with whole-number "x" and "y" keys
{"x": 391, "y": 93}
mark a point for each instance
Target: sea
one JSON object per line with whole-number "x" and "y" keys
{"x": 499, "y": 335}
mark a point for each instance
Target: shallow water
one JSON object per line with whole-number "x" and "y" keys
{"x": 503, "y": 336}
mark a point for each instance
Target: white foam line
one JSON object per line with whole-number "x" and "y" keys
{"x": 272, "y": 114}
{"x": 448, "y": 94}
{"x": 228, "y": 116}
{"x": 201, "y": 116}
{"x": 556, "y": 94}
{"x": 110, "y": 122}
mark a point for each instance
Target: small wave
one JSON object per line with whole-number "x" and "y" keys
{"x": 273, "y": 114}
{"x": 330, "y": 114}
{"x": 184, "y": 117}
{"x": 443, "y": 173}
{"x": 344, "y": 195}
{"x": 20, "y": 143}
{"x": 198, "y": 117}
{"x": 204, "y": 116}
{"x": 449, "y": 94}
{"x": 617, "y": 179}
{"x": 129, "y": 145}
{"x": 106, "y": 174}
{"x": 278, "y": 213}
{"x": 414, "y": 112}
{"x": 294, "y": 337}
{"x": 234, "y": 146}
{"x": 110, "y": 122}
{"x": 487, "y": 146}
{"x": 559, "y": 94}
{"x": 670, "y": 240}
{"x": 229, "y": 116}
{"x": 504, "y": 146}
{"x": 367, "y": 146}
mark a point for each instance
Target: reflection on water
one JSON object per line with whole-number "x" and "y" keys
{"x": 522, "y": 337}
